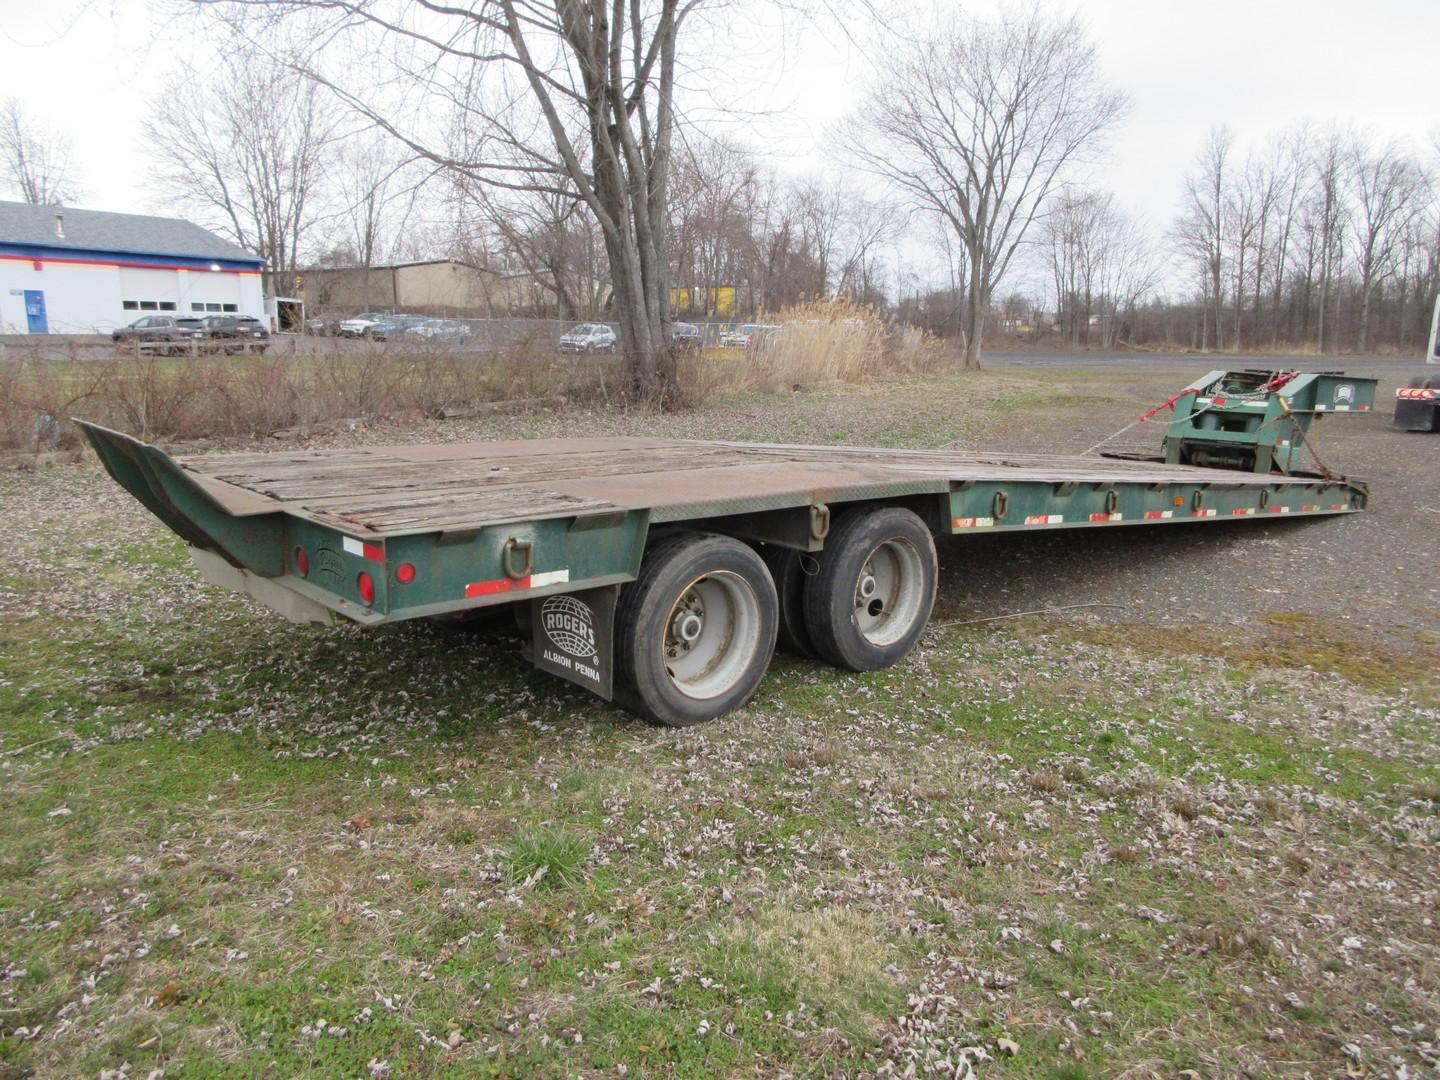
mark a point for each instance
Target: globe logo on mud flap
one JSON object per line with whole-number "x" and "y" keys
{"x": 1345, "y": 392}
{"x": 570, "y": 625}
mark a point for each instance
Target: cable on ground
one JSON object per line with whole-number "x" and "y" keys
{"x": 1022, "y": 614}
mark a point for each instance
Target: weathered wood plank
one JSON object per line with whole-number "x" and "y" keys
{"x": 474, "y": 484}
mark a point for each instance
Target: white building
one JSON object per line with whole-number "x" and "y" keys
{"x": 66, "y": 271}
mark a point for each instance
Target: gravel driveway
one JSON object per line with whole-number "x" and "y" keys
{"x": 1371, "y": 572}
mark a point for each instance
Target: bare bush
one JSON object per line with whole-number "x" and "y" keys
{"x": 245, "y": 398}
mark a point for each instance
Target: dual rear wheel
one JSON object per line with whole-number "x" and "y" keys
{"x": 695, "y": 631}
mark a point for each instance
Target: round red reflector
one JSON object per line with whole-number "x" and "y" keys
{"x": 302, "y": 562}
{"x": 366, "y": 587}
{"x": 405, "y": 573}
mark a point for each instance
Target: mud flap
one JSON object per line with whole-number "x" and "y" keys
{"x": 572, "y": 636}
{"x": 1417, "y": 415}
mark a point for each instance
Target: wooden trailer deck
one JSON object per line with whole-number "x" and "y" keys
{"x": 393, "y": 490}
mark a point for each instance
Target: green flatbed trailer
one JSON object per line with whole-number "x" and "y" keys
{"x": 659, "y": 573}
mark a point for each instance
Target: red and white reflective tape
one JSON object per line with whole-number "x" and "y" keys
{"x": 1241, "y": 511}
{"x": 1339, "y": 506}
{"x": 1045, "y": 519}
{"x": 505, "y": 584}
{"x": 973, "y": 523}
{"x": 1416, "y": 393}
{"x": 1159, "y": 515}
{"x": 373, "y": 552}
{"x": 1308, "y": 508}
{"x": 1279, "y": 509}
{"x": 1107, "y": 517}
{"x": 1207, "y": 511}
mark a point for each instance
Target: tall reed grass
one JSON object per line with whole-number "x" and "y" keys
{"x": 815, "y": 344}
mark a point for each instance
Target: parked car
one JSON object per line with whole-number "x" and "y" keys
{"x": 172, "y": 334}
{"x": 389, "y": 326}
{"x": 438, "y": 330}
{"x": 686, "y": 337}
{"x": 746, "y": 335}
{"x": 322, "y": 326}
{"x": 361, "y": 325}
{"x": 588, "y": 338}
{"x": 236, "y": 333}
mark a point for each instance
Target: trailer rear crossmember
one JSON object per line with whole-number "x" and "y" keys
{"x": 661, "y": 573}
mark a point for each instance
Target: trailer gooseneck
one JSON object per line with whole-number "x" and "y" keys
{"x": 661, "y": 574}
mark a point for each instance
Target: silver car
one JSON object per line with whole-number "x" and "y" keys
{"x": 362, "y": 325}
{"x": 588, "y": 338}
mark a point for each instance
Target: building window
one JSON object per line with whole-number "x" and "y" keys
{"x": 212, "y": 307}
{"x": 130, "y": 305}
{"x": 149, "y": 305}
{"x": 167, "y": 305}
{"x": 197, "y": 306}
{"x": 232, "y": 307}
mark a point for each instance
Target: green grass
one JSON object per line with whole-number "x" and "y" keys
{"x": 546, "y": 857}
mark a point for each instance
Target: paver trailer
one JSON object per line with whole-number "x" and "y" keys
{"x": 660, "y": 574}
{"x": 1417, "y": 404}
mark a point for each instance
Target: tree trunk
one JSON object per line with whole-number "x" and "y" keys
{"x": 975, "y": 325}
{"x": 1366, "y": 292}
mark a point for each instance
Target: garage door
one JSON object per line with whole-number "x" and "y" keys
{"x": 148, "y": 290}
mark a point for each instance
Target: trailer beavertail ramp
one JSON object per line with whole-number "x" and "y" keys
{"x": 661, "y": 573}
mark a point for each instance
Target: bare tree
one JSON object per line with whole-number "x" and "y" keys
{"x": 869, "y": 223}
{"x": 714, "y": 194}
{"x": 1201, "y": 230}
{"x": 546, "y": 235}
{"x": 37, "y": 166}
{"x": 376, "y": 185}
{"x": 1388, "y": 190}
{"x": 1102, "y": 264}
{"x": 248, "y": 154}
{"x": 1288, "y": 169}
{"x": 568, "y": 96}
{"x": 978, "y": 125}
{"x": 1327, "y": 214}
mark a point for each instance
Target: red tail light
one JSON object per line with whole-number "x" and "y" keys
{"x": 405, "y": 573}
{"x": 365, "y": 584}
{"x": 302, "y": 562}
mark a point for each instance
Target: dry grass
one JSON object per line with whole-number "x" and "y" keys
{"x": 241, "y": 398}
{"x": 833, "y": 955}
{"x": 819, "y": 343}
{"x": 219, "y": 397}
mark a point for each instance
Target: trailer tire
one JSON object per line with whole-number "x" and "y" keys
{"x": 787, "y": 570}
{"x": 694, "y": 632}
{"x": 872, "y": 597}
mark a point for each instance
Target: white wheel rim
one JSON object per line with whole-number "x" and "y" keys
{"x": 711, "y": 634}
{"x": 889, "y": 592}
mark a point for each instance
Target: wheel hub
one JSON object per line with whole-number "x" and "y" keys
{"x": 711, "y": 633}
{"x": 887, "y": 592}
{"x": 687, "y": 624}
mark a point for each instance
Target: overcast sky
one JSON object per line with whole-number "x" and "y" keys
{"x": 93, "y": 68}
